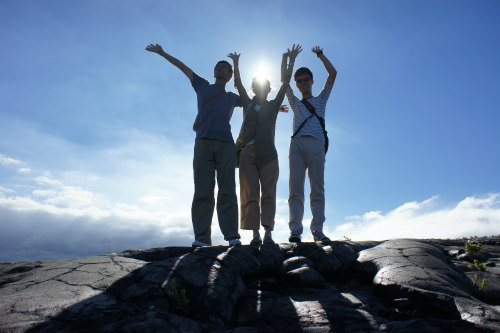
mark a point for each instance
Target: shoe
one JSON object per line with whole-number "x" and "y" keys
{"x": 234, "y": 242}
{"x": 268, "y": 240}
{"x": 199, "y": 244}
{"x": 320, "y": 237}
{"x": 294, "y": 238}
{"x": 256, "y": 241}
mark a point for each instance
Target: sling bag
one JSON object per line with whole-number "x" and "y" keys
{"x": 208, "y": 100}
{"x": 320, "y": 119}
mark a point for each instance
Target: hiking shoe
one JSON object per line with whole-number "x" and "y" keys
{"x": 256, "y": 241}
{"x": 320, "y": 237}
{"x": 294, "y": 238}
{"x": 199, "y": 244}
{"x": 268, "y": 240}
{"x": 234, "y": 242}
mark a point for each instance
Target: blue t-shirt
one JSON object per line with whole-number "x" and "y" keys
{"x": 214, "y": 117}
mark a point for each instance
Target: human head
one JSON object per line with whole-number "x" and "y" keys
{"x": 223, "y": 71}
{"x": 261, "y": 87}
{"x": 304, "y": 80}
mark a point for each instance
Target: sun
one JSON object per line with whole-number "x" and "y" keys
{"x": 261, "y": 72}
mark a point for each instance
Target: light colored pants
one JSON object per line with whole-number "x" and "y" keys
{"x": 306, "y": 153}
{"x": 214, "y": 158}
{"x": 257, "y": 209}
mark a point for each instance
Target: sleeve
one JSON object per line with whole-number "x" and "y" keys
{"x": 278, "y": 100}
{"x": 292, "y": 99}
{"x": 243, "y": 93}
{"x": 198, "y": 82}
{"x": 325, "y": 93}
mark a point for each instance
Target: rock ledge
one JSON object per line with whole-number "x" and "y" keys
{"x": 402, "y": 285}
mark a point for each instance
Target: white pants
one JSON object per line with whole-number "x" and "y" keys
{"x": 306, "y": 153}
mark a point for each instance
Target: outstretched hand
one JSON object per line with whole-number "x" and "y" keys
{"x": 234, "y": 56}
{"x": 317, "y": 50}
{"x": 294, "y": 52}
{"x": 154, "y": 48}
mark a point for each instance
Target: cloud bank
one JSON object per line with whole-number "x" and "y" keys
{"x": 44, "y": 218}
{"x": 473, "y": 216}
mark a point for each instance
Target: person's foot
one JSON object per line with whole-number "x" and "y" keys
{"x": 234, "y": 242}
{"x": 320, "y": 237}
{"x": 268, "y": 240}
{"x": 294, "y": 238}
{"x": 256, "y": 240}
{"x": 199, "y": 244}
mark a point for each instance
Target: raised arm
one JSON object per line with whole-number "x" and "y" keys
{"x": 332, "y": 72}
{"x": 287, "y": 70}
{"x": 174, "y": 61}
{"x": 235, "y": 57}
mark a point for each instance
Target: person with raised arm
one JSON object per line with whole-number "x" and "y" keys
{"x": 258, "y": 158}
{"x": 308, "y": 147}
{"x": 213, "y": 152}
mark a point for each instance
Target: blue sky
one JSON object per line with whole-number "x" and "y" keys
{"x": 95, "y": 132}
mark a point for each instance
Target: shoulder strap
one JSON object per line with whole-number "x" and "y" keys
{"x": 211, "y": 98}
{"x": 320, "y": 119}
{"x": 313, "y": 111}
{"x": 208, "y": 100}
{"x": 301, "y": 125}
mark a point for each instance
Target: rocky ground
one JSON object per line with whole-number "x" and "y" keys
{"x": 402, "y": 285}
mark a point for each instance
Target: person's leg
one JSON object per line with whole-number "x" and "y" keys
{"x": 316, "y": 172}
{"x": 296, "y": 185}
{"x": 227, "y": 204}
{"x": 269, "y": 174}
{"x": 202, "y": 208}
{"x": 249, "y": 190}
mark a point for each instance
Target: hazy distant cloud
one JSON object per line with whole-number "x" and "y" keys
{"x": 6, "y": 161}
{"x": 146, "y": 203}
{"x": 473, "y": 216}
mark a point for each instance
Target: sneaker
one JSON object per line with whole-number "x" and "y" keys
{"x": 294, "y": 238}
{"x": 234, "y": 242}
{"x": 268, "y": 240}
{"x": 320, "y": 237}
{"x": 256, "y": 241}
{"x": 199, "y": 244}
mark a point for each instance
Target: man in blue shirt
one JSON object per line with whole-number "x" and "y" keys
{"x": 214, "y": 152}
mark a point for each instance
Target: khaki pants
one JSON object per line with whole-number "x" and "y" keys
{"x": 214, "y": 158}
{"x": 306, "y": 153}
{"x": 257, "y": 209}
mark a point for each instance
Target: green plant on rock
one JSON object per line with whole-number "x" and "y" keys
{"x": 473, "y": 249}
{"x": 182, "y": 302}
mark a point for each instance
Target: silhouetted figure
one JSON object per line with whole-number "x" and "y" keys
{"x": 308, "y": 148}
{"x": 258, "y": 158}
{"x": 213, "y": 152}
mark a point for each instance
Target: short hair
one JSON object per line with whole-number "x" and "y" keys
{"x": 302, "y": 71}
{"x": 224, "y": 62}
{"x": 257, "y": 81}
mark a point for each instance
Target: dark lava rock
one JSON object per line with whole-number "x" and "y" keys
{"x": 393, "y": 286}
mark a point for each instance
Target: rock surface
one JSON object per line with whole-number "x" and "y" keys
{"x": 402, "y": 285}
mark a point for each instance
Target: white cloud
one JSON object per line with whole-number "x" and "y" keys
{"x": 4, "y": 160}
{"x": 473, "y": 216}
{"x": 137, "y": 194}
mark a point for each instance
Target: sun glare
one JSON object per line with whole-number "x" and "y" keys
{"x": 261, "y": 73}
